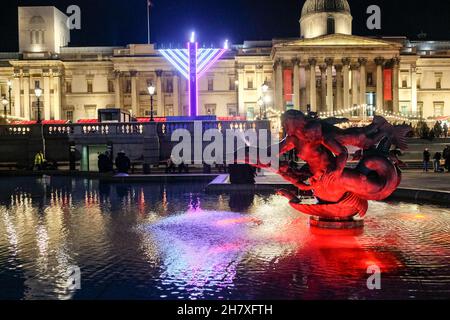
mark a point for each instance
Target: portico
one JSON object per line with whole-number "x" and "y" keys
{"x": 340, "y": 72}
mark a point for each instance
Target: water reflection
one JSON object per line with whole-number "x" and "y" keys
{"x": 148, "y": 241}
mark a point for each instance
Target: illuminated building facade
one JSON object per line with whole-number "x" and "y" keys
{"x": 327, "y": 68}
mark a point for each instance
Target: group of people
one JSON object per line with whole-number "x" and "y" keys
{"x": 105, "y": 163}
{"x": 437, "y": 159}
{"x": 171, "y": 167}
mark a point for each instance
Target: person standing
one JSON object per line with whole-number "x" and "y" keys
{"x": 445, "y": 127}
{"x": 123, "y": 163}
{"x": 437, "y": 162}
{"x": 39, "y": 161}
{"x": 426, "y": 160}
{"x": 446, "y": 156}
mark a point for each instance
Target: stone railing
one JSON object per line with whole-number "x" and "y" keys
{"x": 15, "y": 130}
{"x": 164, "y": 130}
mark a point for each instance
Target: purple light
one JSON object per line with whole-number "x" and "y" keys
{"x": 193, "y": 63}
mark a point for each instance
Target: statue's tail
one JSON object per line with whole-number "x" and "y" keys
{"x": 382, "y": 172}
{"x": 397, "y": 135}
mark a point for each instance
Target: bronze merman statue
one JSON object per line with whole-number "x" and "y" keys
{"x": 342, "y": 193}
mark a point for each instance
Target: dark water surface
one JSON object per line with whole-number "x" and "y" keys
{"x": 149, "y": 241}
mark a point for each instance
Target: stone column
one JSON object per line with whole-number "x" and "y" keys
{"x": 241, "y": 91}
{"x": 117, "y": 90}
{"x": 27, "y": 98}
{"x": 57, "y": 97}
{"x": 323, "y": 87}
{"x": 362, "y": 81}
{"x": 46, "y": 103}
{"x": 355, "y": 91}
{"x": 134, "y": 93}
{"x": 380, "y": 95}
{"x": 339, "y": 102}
{"x": 312, "y": 81}
{"x": 160, "y": 94}
{"x": 330, "y": 98}
{"x": 395, "y": 80}
{"x": 346, "y": 82}
{"x": 308, "y": 84}
{"x": 413, "y": 88}
{"x": 296, "y": 97}
{"x": 16, "y": 88}
{"x": 177, "y": 109}
{"x": 279, "y": 101}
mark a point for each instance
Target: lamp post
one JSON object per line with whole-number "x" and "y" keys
{"x": 9, "y": 93}
{"x": 5, "y": 102}
{"x": 38, "y": 94}
{"x": 151, "y": 90}
{"x": 265, "y": 88}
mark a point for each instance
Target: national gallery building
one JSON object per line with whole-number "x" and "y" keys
{"x": 326, "y": 69}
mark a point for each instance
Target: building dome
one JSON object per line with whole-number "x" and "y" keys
{"x": 318, "y": 6}
{"x": 322, "y": 17}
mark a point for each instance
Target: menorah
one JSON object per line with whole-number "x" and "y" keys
{"x": 193, "y": 63}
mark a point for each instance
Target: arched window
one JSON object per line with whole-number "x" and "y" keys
{"x": 331, "y": 29}
{"x": 37, "y": 30}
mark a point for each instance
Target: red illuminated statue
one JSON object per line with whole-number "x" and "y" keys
{"x": 342, "y": 193}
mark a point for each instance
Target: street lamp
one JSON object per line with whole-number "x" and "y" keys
{"x": 265, "y": 88}
{"x": 151, "y": 90}
{"x": 9, "y": 93}
{"x": 5, "y": 102}
{"x": 38, "y": 94}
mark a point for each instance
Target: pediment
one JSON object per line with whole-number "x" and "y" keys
{"x": 340, "y": 40}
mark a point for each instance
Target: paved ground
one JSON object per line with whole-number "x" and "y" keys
{"x": 411, "y": 180}
{"x": 426, "y": 181}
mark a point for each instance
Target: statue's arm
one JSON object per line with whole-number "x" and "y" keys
{"x": 287, "y": 145}
{"x": 339, "y": 150}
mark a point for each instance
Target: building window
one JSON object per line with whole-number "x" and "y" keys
{"x": 90, "y": 88}
{"x": 404, "y": 83}
{"x": 210, "y": 84}
{"x": 420, "y": 109}
{"x": 170, "y": 112}
{"x": 210, "y": 109}
{"x": 438, "y": 83}
{"x": 169, "y": 85}
{"x": 250, "y": 112}
{"x": 250, "y": 83}
{"x": 68, "y": 86}
{"x": 370, "y": 79}
{"x": 404, "y": 110}
{"x": 69, "y": 116}
{"x": 232, "y": 84}
{"x": 330, "y": 25}
{"x": 37, "y": 84}
{"x": 128, "y": 87}
{"x": 232, "y": 110}
{"x": 37, "y": 30}
{"x": 111, "y": 86}
{"x": 438, "y": 109}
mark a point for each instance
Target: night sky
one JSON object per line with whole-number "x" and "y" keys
{"x": 120, "y": 22}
